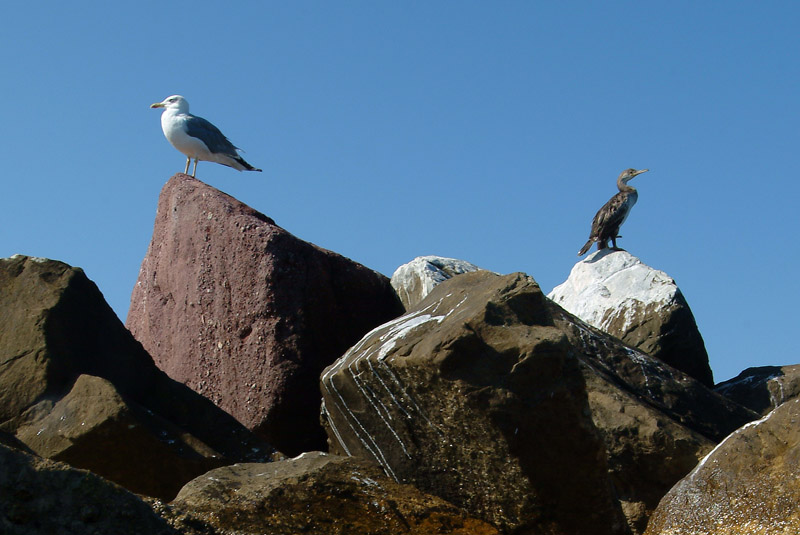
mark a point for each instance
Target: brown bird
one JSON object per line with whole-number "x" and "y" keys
{"x": 606, "y": 223}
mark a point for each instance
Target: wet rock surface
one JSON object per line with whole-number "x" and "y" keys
{"x": 315, "y": 493}
{"x": 749, "y": 484}
{"x": 248, "y": 315}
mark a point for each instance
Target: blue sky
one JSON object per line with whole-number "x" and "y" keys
{"x": 487, "y": 131}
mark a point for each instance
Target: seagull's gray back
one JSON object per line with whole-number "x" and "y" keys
{"x": 210, "y": 135}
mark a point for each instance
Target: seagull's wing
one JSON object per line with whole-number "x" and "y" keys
{"x": 210, "y": 135}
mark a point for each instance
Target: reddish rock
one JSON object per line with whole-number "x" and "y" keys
{"x": 245, "y": 313}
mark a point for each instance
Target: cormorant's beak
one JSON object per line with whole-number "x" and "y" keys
{"x": 636, "y": 173}
{"x": 161, "y": 105}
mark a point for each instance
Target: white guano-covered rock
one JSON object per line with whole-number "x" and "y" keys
{"x": 615, "y": 292}
{"x": 415, "y": 280}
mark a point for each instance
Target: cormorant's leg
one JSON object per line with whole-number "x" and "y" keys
{"x": 194, "y": 171}
{"x": 614, "y": 242}
{"x": 188, "y": 159}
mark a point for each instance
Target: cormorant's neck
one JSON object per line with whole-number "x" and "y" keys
{"x": 625, "y": 187}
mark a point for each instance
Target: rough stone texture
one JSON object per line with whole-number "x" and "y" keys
{"x": 492, "y": 397}
{"x": 615, "y": 292}
{"x": 248, "y": 315}
{"x": 763, "y": 388}
{"x": 415, "y": 280}
{"x": 76, "y": 386}
{"x": 315, "y": 494}
{"x": 43, "y": 497}
{"x": 749, "y": 484}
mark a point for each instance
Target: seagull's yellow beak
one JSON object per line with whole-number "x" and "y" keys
{"x": 157, "y": 105}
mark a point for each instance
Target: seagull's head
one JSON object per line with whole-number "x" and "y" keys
{"x": 175, "y": 102}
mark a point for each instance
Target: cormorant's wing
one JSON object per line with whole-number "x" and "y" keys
{"x": 210, "y": 135}
{"x": 609, "y": 218}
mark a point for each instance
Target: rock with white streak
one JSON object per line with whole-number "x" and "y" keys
{"x": 415, "y": 280}
{"x": 763, "y": 388}
{"x": 749, "y": 484}
{"x": 496, "y": 399}
{"x": 617, "y": 293}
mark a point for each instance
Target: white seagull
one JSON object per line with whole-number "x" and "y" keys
{"x": 196, "y": 137}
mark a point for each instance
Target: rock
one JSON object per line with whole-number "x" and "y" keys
{"x": 316, "y": 494}
{"x": 763, "y": 388}
{"x": 76, "y": 386}
{"x": 415, "y": 280}
{"x": 94, "y": 427}
{"x": 43, "y": 497}
{"x": 615, "y": 292}
{"x": 495, "y": 399}
{"x": 749, "y": 484}
{"x": 248, "y": 315}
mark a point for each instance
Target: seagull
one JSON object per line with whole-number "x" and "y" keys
{"x": 196, "y": 137}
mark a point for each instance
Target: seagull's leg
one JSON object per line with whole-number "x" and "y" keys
{"x": 188, "y": 159}
{"x": 195, "y": 167}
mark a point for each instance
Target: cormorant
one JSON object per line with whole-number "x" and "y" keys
{"x": 606, "y": 223}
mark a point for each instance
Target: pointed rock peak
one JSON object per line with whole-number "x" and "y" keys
{"x": 611, "y": 280}
{"x": 616, "y": 292}
{"x": 415, "y": 280}
{"x": 247, "y": 314}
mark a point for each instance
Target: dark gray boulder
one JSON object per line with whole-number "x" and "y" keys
{"x": 315, "y": 494}
{"x": 75, "y": 386}
{"x": 492, "y": 397}
{"x": 763, "y": 388}
{"x": 43, "y": 497}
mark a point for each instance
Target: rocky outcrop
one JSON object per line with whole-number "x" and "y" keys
{"x": 764, "y": 388}
{"x": 495, "y": 399}
{"x": 248, "y": 315}
{"x": 749, "y": 484}
{"x": 415, "y": 280}
{"x": 615, "y": 292}
{"x": 75, "y": 386}
{"x": 315, "y": 494}
{"x": 43, "y": 497}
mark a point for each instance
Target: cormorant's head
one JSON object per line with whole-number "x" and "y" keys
{"x": 628, "y": 174}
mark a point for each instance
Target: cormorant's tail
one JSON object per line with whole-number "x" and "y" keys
{"x": 586, "y": 247}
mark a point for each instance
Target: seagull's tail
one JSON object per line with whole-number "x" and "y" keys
{"x": 586, "y": 247}
{"x": 245, "y": 166}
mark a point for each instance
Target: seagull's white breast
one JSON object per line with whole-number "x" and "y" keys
{"x": 173, "y": 125}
